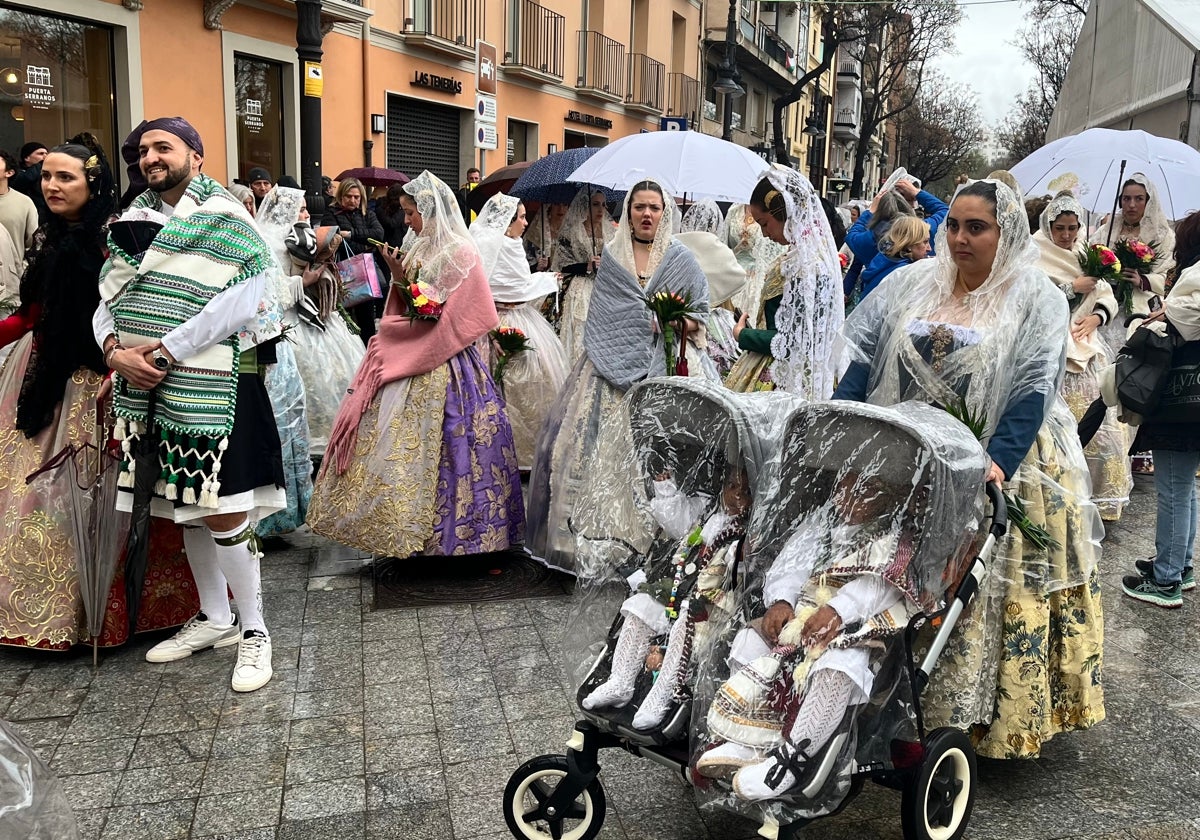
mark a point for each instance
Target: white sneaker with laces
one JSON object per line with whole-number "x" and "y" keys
{"x": 726, "y": 759}
{"x": 198, "y": 633}
{"x": 253, "y": 669}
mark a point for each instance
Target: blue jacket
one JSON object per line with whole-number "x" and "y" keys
{"x": 862, "y": 240}
{"x": 879, "y": 268}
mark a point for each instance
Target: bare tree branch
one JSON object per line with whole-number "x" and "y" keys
{"x": 942, "y": 128}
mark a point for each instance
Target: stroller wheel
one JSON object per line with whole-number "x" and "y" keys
{"x": 937, "y": 799}
{"x": 527, "y": 791}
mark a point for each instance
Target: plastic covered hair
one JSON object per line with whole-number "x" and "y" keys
{"x": 443, "y": 250}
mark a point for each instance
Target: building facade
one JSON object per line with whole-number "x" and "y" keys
{"x": 397, "y": 80}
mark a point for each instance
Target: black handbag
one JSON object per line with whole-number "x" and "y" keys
{"x": 1180, "y": 399}
{"x": 1143, "y": 364}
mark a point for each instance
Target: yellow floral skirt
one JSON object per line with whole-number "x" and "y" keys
{"x": 750, "y": 373}
{"x": 1025, "y": 662}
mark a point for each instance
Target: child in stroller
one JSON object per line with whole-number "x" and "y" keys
{"x": 831, "y": 607}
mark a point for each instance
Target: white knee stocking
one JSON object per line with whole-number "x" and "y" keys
{"x": 210, "y": 583}
{"x": 238, "y": 559}
{"x": 658, "y": 699}
{"x": 822, "y": 709}
{"x": 633, "y": 644}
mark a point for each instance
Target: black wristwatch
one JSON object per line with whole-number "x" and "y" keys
{"x": 160, "y": 360}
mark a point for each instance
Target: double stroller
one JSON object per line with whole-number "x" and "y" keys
{"x": 758, "y": 514}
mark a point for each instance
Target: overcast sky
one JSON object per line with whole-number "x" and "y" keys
{"x": 986, "y": 59}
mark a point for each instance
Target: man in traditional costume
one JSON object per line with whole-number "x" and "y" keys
{"x": 180, "y": 321}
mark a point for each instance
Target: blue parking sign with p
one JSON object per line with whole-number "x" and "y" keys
{"x": 673, "y": 124}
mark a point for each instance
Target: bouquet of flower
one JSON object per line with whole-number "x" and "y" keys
{"x": 1102, "y": 263}
{"x": 670, "y": 308}
{"x": 843, "y": 260}
{"x": 509, "y": 342}
{"x": 421, "y": 303}
{"x": 1138, "y": 255}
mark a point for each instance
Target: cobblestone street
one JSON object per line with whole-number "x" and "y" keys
{"x": 407, "y": 724}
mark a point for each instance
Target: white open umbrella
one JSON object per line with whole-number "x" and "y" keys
{"x": 1094, "y": 163}
{"x": 686, "y": 163}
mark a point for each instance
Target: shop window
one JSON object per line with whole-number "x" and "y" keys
{"x": 258, "y": 89}
{"x": 56, "y": 80}
{"x": 522, "y": 141}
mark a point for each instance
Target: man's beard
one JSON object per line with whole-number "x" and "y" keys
{"x": 174, "y": 178}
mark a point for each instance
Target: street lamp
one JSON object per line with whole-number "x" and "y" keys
{"x": 729, "y": 80}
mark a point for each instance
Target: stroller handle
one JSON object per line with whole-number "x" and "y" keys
{"x": 995, "y": 494}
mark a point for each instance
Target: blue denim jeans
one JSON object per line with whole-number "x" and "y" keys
{"x": 1175, "y": 530}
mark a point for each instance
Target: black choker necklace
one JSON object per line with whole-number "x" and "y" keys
{"x": 637, "y": 238}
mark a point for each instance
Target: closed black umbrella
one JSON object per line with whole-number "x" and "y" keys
{"x": 146, "y": 471}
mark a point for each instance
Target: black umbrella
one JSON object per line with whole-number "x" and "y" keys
{"x": 146, "y": 471}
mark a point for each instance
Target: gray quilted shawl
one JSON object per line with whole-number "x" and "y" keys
{"x": 619, "y": 323}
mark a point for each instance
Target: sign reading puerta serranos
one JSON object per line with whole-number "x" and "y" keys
{"x": 39, "y": 92}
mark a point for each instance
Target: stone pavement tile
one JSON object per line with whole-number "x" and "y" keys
{"x": 405, "y": 788}
{"x": 1174, "y": 830}
{"x": 451, "y": 644}
{"x": 390, "y": 625}
{"x": 92, "y": 790}
{"x": 159, "y": 821}
{"x": 516, "y": 678}
{"x": 494, "y": 615}
{"x": 323, "y": 674}
{"x": 42, "y": 734}
{"x": 57, "y": 676}
{"x": 535, "y": 705}
{"x": 285, "y": 635}
{"x": 501, "y": 640}
{"x": 255, "y": 738}
{"x": 335, "y": 631}
{"x": 384, "y": 754}
{"x": 340, "y": 827}
{"x": 1018, "y": 780}
{"x": 120, "y": 721}
{"x": 32, "y": 705}
{"x": 106, "y": 693}
{"x": 318, "y": 764}
{"x": 326, "y": 731}
{"x": 466, "y": 743}
{"x": 406, "y": 645}
{"x": 108, "y": 755}
{"x": 729, "y": 826}
{"x": 251, "y": 834}
{"x": 384, "y": 696}
{"x": 393, "y": 667}
{"x": 161, "y": 720}
{"x": 550, "y": 735}
{"x": 325, "y": 799}
{"x": 484, "y": 710}
{"x": 228, "y": 775}
{"x": 422, "y": 821}
{"x": 1068, "y": 814}
{"x": 481, "y": 814}
{"x": 237, "y": 811}
{"x": 271, "y": 703}
{"x": 90, "y": 822}
{"x": 208, "y": 686}
{"x": 665, "y": 817}
{"x": 329, "y": 583}
{"x": 485, "y": 776}
{"x": 160, "y": 784}
{"x": 310, "y": 704}
{"x": 172, "y": 748}
{"x": 11, "y": 680}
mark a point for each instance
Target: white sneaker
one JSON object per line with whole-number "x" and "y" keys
{"x": 772, "y": 777}
{"x": 725, "y": 760}
{"x": 253, "y": 669}
{"x": 197, "y": 634}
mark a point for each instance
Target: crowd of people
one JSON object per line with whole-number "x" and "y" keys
{"x": 206, "y": 325}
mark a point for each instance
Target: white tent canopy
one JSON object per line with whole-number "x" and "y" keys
{"x": 1131, "y": 68}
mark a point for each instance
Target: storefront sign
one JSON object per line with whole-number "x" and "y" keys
{"x": 253, "y": 116}
{"x": 588, "y": 119}
{"x": 38, "y": 91}
{"x": 449, "y": 84}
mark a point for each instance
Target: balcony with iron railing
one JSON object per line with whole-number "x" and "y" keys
{"x": 449, "y": 26}
{"x": 845, "y": 124}
{"x": 535, "y": 42}
{"x": 601, "y": 66}
{"x": 772, "y": 46}
{"x": 683, "y": 96}
{"x": 645, "y": 90}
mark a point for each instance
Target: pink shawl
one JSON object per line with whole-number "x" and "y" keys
{"x": 404, "y": 348}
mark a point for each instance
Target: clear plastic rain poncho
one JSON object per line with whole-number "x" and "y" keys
{"x": 874, "y": 517}
{"x": 326, "y": 352}
{"x": 585, "y": 230}
{"x": 1154, "y": 227}
{"x": 996, "y": 350}
{"x": 33, "y": 805}
{"x": 704, "y": 215}
{"x": 649, "y": 584}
